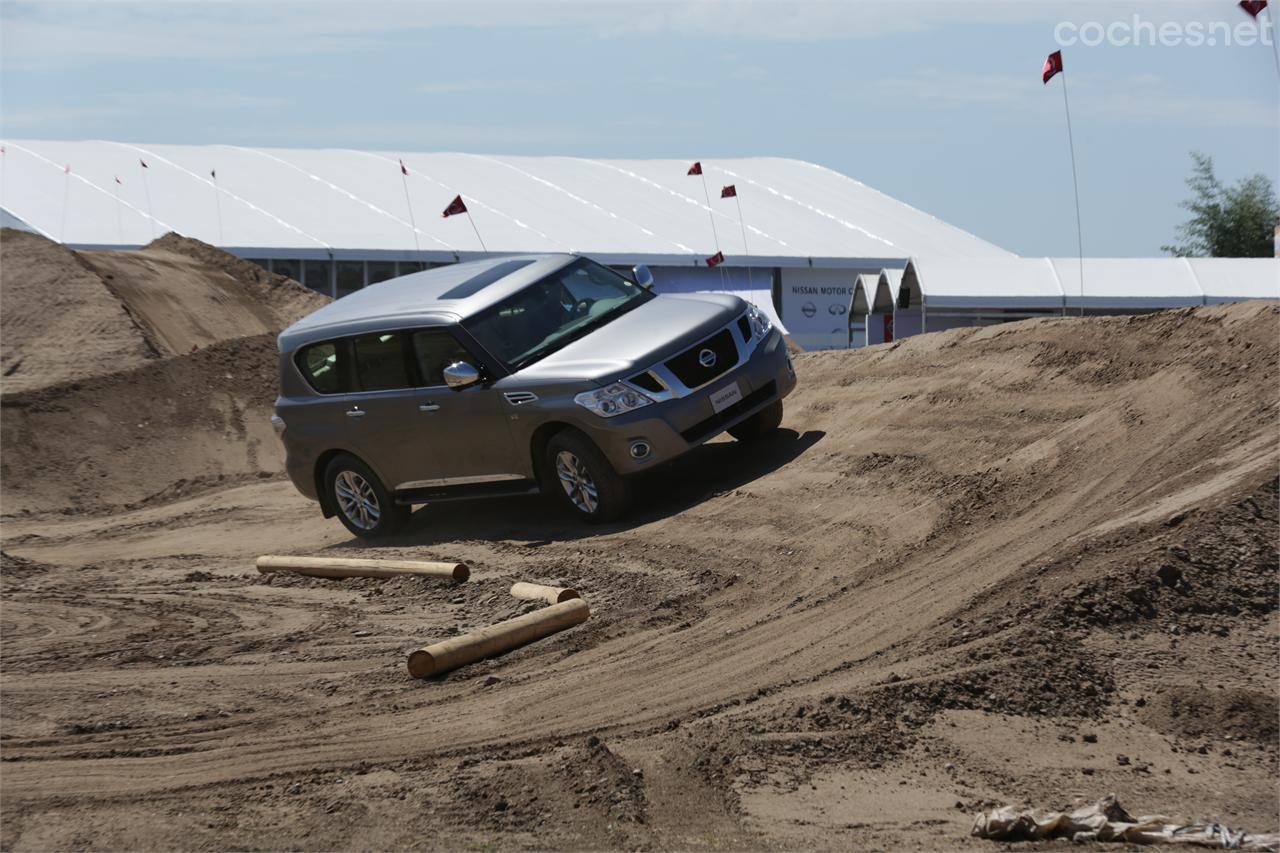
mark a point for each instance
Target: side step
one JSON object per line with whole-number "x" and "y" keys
{"x": 438, "y": 494}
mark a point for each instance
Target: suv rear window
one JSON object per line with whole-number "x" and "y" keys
{"x": 322, "y": 366}
{"x": 381, "y": 363}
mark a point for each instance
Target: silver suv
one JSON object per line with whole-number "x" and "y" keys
{"x": 514, "y": 375}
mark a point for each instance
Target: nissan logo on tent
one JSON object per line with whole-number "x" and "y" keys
{"x": 707, "y": 358}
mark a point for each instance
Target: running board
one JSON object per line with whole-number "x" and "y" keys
{"x": 470, "y": 491}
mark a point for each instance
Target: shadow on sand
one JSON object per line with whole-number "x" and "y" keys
{"x": 539, "y": 520}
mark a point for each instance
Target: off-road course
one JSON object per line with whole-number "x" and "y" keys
{"x": 1032, "y": 563}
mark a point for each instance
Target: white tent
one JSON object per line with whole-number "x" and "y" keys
{"x": 1233, "y": 279}
{"x": 340, "y": 203}
{"x": 1112, "y": 284}
{"x": 941, "y": 293}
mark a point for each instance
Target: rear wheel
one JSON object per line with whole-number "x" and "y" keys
{"x": 363, "y": 504}
{"x": 584, "y": 480}
{"x": 760, "y": 425}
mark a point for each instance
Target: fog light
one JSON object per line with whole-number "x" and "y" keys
{"x": 639, "y": 449}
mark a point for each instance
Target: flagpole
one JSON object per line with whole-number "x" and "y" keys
{"x": 66, "y": 198}
{"x": 1275, "y": 50}
{"x": 217, "y": 204}
{"x": 404, "y": 179}
{"x": 1075, "y": 184}
{"x": 146, "y": 188}
{"x": 712, "y": 216}
{"x": 477, "y": 230}
{"x": 119, "y": 215}
{"x": 751, "y": 285}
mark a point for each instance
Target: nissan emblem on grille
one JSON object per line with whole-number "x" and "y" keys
{"x": 707, "y": 358}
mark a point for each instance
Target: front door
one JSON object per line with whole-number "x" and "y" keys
{"x": 468, "y": 429}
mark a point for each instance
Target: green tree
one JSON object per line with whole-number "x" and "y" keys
{"x": 1226, "y": 222}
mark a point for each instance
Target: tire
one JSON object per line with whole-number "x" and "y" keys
{"x": 760, "y": 425}
{"x": 583, "y": 480}
{"x": 375, "y": 514}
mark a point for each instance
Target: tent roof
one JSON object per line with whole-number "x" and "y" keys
{"x": 1118, "y": 283}
{"x": 887, "y": 285}
{"x": 1232, "y": 279}
{"x": 992, "y": 282}
{"x": 313, "y": 202}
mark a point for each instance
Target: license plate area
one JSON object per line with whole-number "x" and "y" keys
{"x": 725, "y": 397}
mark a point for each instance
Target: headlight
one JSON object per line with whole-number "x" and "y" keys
{"x": 614, "y": 400}
{"x": 277, "y": 423}
{"x": 760, "y": 323}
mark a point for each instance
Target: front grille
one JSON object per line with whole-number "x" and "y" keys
{"x": 744, "y": 326}
{"x": 689, "y": 370}
{"x": 702, "y": 429}
{"x": 647, "y": 381}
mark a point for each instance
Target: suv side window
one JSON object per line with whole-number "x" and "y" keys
{"x": 436, "y": 349}
{"x": 323, "y": 366}
{"x": 381, "y": 363}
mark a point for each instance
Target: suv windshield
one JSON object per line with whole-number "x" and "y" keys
{"x": 548, "y": 315}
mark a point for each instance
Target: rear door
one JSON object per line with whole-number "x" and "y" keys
{"x": 468, "y": 429}
{"x": 384, "y": 413}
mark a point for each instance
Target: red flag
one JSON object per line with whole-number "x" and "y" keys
{"x": 729, "y": 192}
{"x": 144, "y": 163}
{"x": 695, "y": 169}
{"x": 716, "y": 260}
{"x": 403, "y": 169}
{"x": 455, "y": 206}
{"x": 1052, "y": 66}
{"x": 1253, "y": 7}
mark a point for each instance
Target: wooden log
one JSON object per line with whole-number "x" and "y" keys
{"x": 339, "y": 567}
{"x": 496, "y": 639}
{"x": 538, "y": 592}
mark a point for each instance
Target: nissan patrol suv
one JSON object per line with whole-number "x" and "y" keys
{"x": 512, "y": 375}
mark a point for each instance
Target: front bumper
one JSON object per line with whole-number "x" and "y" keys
{"x": 673, "y": 427}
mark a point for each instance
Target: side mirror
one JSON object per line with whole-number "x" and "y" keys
{"x": 460, "y": 375}
{"x": 644, "y": 278}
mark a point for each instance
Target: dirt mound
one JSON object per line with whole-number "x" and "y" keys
{"x": 73, "y": 315}
{"x": 1197, "y": 711}
{"x": 157, "y": 432}
{"x": 288, "y": 300}
{"x": 1033, "y": 562}
{"x": 58, "y": 321}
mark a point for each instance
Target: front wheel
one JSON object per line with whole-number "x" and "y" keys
{"x": 363, "y": 504}
{"x": 760, "y": 425}
{"x": 587, "y": 483}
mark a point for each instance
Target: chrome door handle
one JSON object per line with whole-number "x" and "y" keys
{"x": 428, "y": 407}
{"x": 355, "y": 413}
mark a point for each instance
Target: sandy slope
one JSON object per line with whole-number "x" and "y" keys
{"x": 66, "y": 316}
{"x": 1032, "y": 562}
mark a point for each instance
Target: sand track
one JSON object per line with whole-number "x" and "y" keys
{"x": 955, "y": 545}
{"x": 964, "y": 541}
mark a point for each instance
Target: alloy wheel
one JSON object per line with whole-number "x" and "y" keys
{"x": 577, "y": 482}
{"x": 357, "y": 500}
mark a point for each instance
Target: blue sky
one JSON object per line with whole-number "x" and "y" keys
{"x": 937, "y": 103}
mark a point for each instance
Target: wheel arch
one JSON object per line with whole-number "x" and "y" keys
{"x": 538, "y": 448}
{"x": 322, "y": 491}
